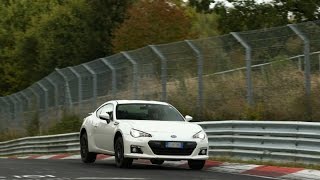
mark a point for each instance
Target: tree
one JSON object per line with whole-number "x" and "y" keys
{"x": 63, "y": 37}
{"x": 249, "y": 15}
{"x": 104, "y": 17}
{"x": 152, "y": 22}
{"x": 38, "y": 36}
{"x": 202, "y": 6}
{"x": 298, "y": 10}
{"x": 17, "y": 17}
{"x": 205, "y": 25}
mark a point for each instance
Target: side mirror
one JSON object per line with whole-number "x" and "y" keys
{"x": 188, "y": 118}
{"x": 105, "y": 116}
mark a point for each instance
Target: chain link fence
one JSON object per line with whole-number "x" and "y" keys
{"x": 270, "y": 74}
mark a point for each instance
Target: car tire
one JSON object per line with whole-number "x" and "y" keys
{"x": 121, "y": 161}
{"x": 86, "y": 156}
{"x": 196, "y": 164}
{"x": 157, "y": 161}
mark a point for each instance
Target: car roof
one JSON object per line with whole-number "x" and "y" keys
{"x": 140, "y": 102}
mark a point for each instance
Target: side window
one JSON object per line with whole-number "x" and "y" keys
{"x": 108, "y": 108}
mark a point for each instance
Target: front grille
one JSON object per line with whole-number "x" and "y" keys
{"x": 159, "y": 148}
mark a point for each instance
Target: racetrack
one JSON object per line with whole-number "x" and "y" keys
{"x": 102, "y": 169}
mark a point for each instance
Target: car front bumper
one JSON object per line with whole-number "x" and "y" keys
{"x": 148, "y": 153}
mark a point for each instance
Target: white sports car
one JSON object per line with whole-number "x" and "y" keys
{"x": 133, "y": 129}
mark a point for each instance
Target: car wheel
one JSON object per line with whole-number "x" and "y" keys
{"x": 121, "y": 161}
{"x": 157, "y": 161}
{"x": 196, "y": 164}
{"x": 86, "y": 156}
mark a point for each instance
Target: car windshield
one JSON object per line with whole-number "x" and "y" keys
{"x": 156, "y": 112}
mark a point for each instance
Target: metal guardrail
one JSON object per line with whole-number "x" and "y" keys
{"x": 248, "y": 140}
{"x": 265, "y": 140}
{"x": 61, "y": 143}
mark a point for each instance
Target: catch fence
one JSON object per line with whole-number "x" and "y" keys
{"x": 262, "y": 74}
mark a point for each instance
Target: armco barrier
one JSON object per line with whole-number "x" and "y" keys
{"x": 249, "y": 140}
{"x": 265, "y": 140}
{"x": 61, "y": 143}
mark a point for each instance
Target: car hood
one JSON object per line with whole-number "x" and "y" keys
{"x": 163, "y": 126}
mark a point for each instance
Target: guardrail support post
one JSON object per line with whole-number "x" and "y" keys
{"x": 164, "y": 74}
{"x": 79, "y": 86}
{"x": 114, "y": 75}
{"x": 94, "y": 84}
{"x": 135, "y": 74}
{"x": 248, "y": 67}
{"x": 68, "y": 99}
{"x": 200, "y": 73}
{"x": 307, "y": 68}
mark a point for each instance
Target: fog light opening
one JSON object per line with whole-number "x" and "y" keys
{"x": 136, "y": 149}
{"x": 203, "y": 152}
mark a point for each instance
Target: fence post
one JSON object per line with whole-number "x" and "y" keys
{"x": 26, "y": 98}
{"x": 45, "y": 91}
{"x": 94, "y": 84}
{"x": 37, "y": 107}
{"x": 28, "y": 104}
{"x": 307, "y": 68}
{"x": 164, "y": 72}
{"x": 55, "y": 91}
{"x": 14, "y": 107}
{"x": 113, "y": 71}
{"x": 2, "y": 110}
{"x": 19, "y": 107}
{"x": 135, "y": 74}
{"x": 79, "y": 87}
{"x": 200, "y": 74}
{"x": 248, "y": 67}
{"x": 67, "y": 97}
{"x": 37, "y": 98}
{"x": 6, "y": 111}
{"x": 7, "y": 105}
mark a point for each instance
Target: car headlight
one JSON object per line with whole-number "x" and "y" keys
{"x": 199, "y": 135}
{"x": 136, "y": 133}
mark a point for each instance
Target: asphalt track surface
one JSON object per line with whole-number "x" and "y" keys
{"x": 23, "y": 169}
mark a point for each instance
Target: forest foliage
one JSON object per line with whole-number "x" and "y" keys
{"x": 40, "y": 35}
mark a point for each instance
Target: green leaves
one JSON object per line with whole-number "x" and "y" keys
{"x": 202, "y": 6}
{"x": 249, "y": 15}
{"x": 38, "y": 36}
{"x": 152, "y": 22}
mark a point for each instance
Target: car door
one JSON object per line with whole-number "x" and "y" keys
{"x": 104, "y": 131}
